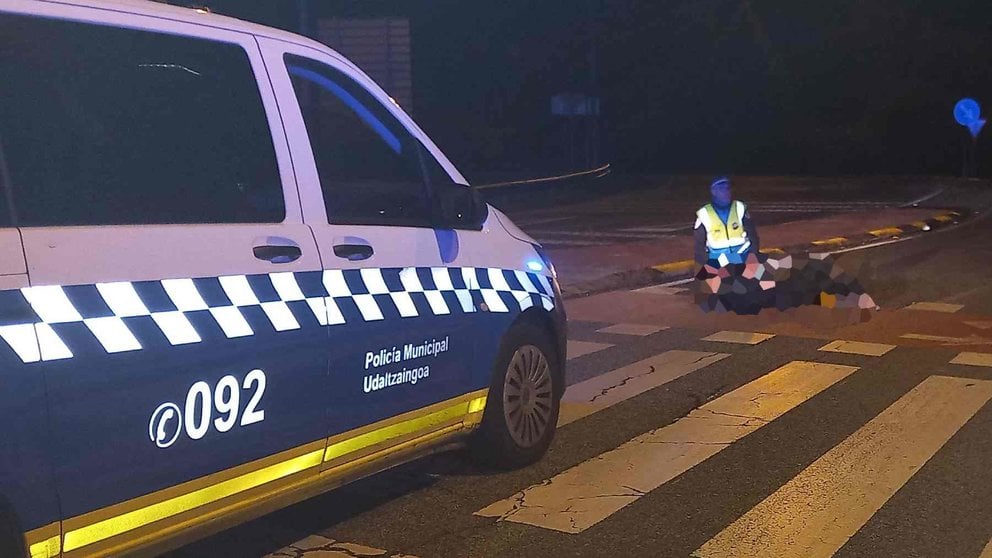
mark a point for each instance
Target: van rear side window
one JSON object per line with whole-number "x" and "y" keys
{"x": 371, "y": 168}
{"x": 108, "y": 126}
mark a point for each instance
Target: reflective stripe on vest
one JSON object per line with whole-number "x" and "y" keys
{"x": 720, "y": 235}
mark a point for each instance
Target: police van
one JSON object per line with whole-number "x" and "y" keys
{"x": 233, "y": 275}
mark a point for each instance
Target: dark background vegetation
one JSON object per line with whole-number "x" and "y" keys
{"x": 839, "y": 87}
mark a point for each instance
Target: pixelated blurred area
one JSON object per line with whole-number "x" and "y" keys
{"x": 784, "y": 283}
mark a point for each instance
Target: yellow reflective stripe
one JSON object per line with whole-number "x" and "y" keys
{"x": 464, "y": 410}
{"x": 477, "y": 405}
{"x": 46, "y": 549}
{"x": 44, "y": 542}
{"x": 410, "y": 426}
{"x": 174, "y": 506}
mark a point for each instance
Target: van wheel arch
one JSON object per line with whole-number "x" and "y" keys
{"x": 541, "y": 319}
{"x": 11, "y": 535}
{"x": 518, "y": 428}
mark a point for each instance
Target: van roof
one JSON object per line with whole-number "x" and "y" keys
{"x": 191, "y": 15}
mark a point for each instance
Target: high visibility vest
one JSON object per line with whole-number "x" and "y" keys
{"x": 722, "y": 236}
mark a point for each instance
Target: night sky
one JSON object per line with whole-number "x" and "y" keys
{"x": 841, "y": 87}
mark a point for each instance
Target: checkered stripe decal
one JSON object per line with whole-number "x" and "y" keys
{"x": 30, "y": 318}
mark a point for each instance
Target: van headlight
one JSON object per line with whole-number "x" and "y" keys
{"x": 545, "y": 262}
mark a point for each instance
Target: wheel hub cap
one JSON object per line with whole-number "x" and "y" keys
{"x": 527, "y": 396}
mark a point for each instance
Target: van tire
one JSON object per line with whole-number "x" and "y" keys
{"x": 11, "y": 537}
{"x": 521, "y": 412}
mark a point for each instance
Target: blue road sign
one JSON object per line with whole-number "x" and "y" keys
{"x": 967, "y": 111}
{"x": 975, "y": 126}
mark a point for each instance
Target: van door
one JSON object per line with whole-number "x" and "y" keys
{"x": 175, "y": 290}
{"x": 26, "y": 488}
{"x": 403, "y": 292}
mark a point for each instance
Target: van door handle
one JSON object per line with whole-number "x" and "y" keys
{"x": 353, "y": 252}
{"x": 278, "y": 254}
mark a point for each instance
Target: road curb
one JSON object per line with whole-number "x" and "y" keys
{"x": 683, "y": 269}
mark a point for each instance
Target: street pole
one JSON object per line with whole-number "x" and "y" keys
{"x": 304, "y": 14}
{"x": 592, "y": 96}
{"x": 974, "y": 156}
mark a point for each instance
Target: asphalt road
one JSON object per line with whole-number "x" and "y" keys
{"x": 756, "y": 445}
{"x": 605, "y": 213}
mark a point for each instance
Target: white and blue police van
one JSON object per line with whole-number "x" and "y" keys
{"x": 233, "y": 275}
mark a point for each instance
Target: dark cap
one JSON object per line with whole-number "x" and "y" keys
{"x": 720, "y": 182}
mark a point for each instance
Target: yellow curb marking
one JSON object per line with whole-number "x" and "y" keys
{"x": 671, "y": 267}
{"x": 834, "y": 240}
{"x": 684, "y": 265}
{"x": 887, "y": 231}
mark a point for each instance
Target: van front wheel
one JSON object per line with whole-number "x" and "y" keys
{"x": 522, "y": 410}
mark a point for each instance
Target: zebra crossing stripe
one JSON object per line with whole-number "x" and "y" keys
{"x": 588, "y": 493}
{"x": 857, "y": 348}
{"x": 595, "y": 394}
{"x": 815, "y": 513}
{"x": 321, "y": 546}
{"x": 973, "y": 359}
{"x": 27, "y": 316}
{"x": 577, "y": 349}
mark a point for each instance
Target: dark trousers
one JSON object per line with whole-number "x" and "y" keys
{"x": 799, "y": 284}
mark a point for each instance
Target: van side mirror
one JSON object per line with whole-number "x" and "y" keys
{"x": 457, "y": 206}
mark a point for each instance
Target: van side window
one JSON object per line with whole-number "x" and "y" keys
{"x": 372, "y": 170}
{"x": 108, "y": 126}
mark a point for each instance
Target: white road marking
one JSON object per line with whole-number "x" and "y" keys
{"x": 582, "y": 348}
{"x": 597, "y": 234}
{"x": 935, "y": 307}
{"x": 640, "y": 330}
{"x": 816, "y": 512}
{"x": 661, "y": 290}
{"x": 980, "y": 325}
{"x": 598, "y": 393}
{"x": 857, "y": 348}
{"x": 588, "y": 493}
{"x": 666, "y": 229}
{"x": 987, "y": 551}
{"x": 563, "y": 242}
{"x": 318, "y": 546}
{"x": 922, "y": 199}
{"x": 867, "y": 246}
{"x": 526, "y": 223}
{"x": 677, "y": 282}
{"x": 973, "y": 359}
{"x": 794, "y": 209}
{"x": 744, "y": 337}
{"x": 971, "y": 340}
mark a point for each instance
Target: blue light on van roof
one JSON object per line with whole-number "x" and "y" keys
{"x": 534, "y": 265}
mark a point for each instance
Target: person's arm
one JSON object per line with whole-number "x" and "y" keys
{"x": 701, "y": 253}
{"x": 751, "y": 230}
